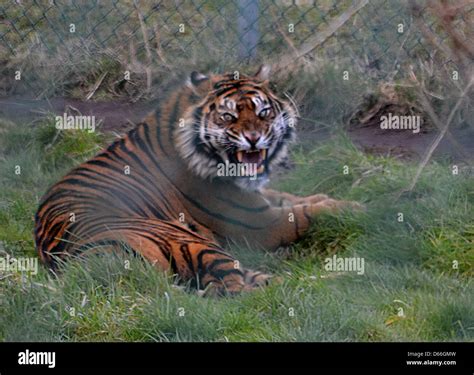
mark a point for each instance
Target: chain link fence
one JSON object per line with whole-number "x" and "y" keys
{"x": 59, "y": 45}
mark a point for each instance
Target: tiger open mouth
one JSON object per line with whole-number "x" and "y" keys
{"x": 256, "y": 158}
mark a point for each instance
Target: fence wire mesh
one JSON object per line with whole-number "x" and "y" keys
{"x": 50, "y": 41}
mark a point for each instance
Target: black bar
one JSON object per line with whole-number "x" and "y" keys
{"x": 239, "y": 355}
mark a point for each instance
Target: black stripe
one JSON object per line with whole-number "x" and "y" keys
{"x": 201, "y": 270}
{"x": 165, "y": 250}
{"x": 220, "y": 216}
{"x": 173, "y": 118}
{"x": 143, "y": 147}
{"x": 221, "y": 274}
{"x": 52, "y": 233}
{"x": 218, "y": 262}
{"x": 141, "y": 193}
{"x": 244, "y": 208}
{"x": 187, "y": 257}
{"x": 135, "y": 208}
{"x": 225, "y": 90}
{"x": 158, "y": 132}
{"x": 55, "y": 209}
{"x": 107, "y": 242}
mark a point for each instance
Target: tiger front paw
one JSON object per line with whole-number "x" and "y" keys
{"x": 251, "y": 280}
{"x": 315, "y": 198}
{"x": 330, "y": 205}
{"x": 256, "y": 279}
{"x": 221, "y": 289}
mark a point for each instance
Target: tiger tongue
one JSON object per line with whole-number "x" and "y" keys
{"x": 251, "y": 157}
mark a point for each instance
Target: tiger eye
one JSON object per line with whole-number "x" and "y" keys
{"x": 228, "y": 117}
{"x": 264, "y": 113}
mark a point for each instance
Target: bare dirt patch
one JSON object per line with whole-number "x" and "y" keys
{"x": 119, "y": 116}
{"x": 407, "y": 145}
{"x": 114, "y": 116}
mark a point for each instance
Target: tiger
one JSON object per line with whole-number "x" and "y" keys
{"x": 156, "y": 189}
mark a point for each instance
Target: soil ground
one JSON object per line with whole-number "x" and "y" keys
{"x": 120, "y": 115}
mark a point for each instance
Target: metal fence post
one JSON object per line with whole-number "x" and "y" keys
{"x": 249, "y": 13}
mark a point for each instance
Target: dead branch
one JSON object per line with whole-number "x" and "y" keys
{"x": 428, "y": 109}
{"x": 440, "y": 136}
{"x": 96, "y": 86}
{"x": 159, "y": 51}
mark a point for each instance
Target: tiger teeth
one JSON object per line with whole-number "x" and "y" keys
{"x": 240, "y": 154}
{"x": 261, "y": 169}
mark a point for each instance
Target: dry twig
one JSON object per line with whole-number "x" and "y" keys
{"x": 96, "y": 86}
{"x": 440, "y": 136}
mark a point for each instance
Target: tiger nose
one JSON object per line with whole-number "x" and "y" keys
{"x": 252, "y": 137}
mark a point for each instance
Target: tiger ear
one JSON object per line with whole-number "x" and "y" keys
{"x": 200, "y": 83}
{"x": 263, "y": 73}
{"x": 197, "y": 78}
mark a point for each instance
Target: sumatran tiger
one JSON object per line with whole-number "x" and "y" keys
{"x": 157, "y": 190}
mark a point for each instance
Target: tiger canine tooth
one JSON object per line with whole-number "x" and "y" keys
{"x": 240, "y": 156}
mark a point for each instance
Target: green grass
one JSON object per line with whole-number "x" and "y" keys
{"x": 408, "y": 264}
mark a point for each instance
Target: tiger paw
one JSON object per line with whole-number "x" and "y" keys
{"x": 256, "y": 279}
{"x": 335, "y": 206}
{"x": 251, "y": 281}
{"x": 220, "y": 289}
{"x": 316, "y": 198}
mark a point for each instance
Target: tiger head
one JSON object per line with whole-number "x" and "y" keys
{"x": 238, "y": 126}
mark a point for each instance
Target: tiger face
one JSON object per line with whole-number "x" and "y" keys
{"x": 239, "y": 125}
